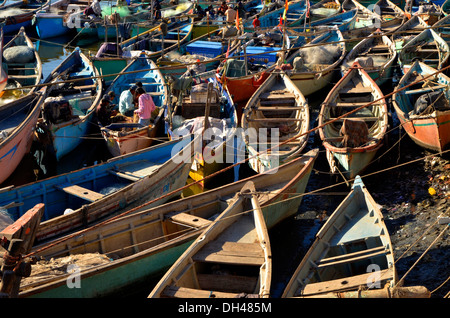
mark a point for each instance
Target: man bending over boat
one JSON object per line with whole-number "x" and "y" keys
{"x": 126, "y": 101}
{"x": 146, "y": 107}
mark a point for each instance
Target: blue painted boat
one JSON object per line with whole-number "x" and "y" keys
{"x": 344, "y": 21}
{"x": 19, "y": 14}
{"x": 295, "y": 16}
{"x": 80, "y": 94}
{"x": 59, "y": 18}
{"x": 124, "y": 136}
{"x": 79, "y": 198}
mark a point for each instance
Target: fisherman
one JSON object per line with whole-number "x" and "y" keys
{"x": 200, "y": 12}
{"x": 240, "y": 9}
{"x": 126, "y": 101}
{"x": 146, "y": 107}
{"x": 104, "y": 112}
{"x": 95, "y": 10}
{"x": 230, "y": 15}
{"x": 256, "y": 23}
{"x": 157, "y": 12}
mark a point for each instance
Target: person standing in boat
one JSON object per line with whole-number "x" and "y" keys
{"x": 256, "y": 23}
{"x": 126, "y": 101}
{"x": 230, "y": 15}
{"x": 146, "y": 107}
{"x": 95, "y": 10}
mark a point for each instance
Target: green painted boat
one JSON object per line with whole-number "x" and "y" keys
{"x": 132, "y": 249}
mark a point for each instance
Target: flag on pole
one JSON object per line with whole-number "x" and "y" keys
{"x": 286, "y": 7}
{"x": 237, "y": 19}
{"x": 3, "y": 75}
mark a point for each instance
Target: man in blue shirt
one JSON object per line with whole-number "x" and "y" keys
{"x": 126, "y": 102}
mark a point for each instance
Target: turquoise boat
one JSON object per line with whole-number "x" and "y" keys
{"x": 141, "y": 246}
{"x": 79, "y": 94}
{"x": 77, "y": 199}
{"x": 344, "y": 21}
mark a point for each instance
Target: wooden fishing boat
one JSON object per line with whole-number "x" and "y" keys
{"x": 316, "y": 64}
{"x": 376, "y": 54}
{"x": 23, "y": 67}
{"x": 367, "y": 21}
{"x": 82, "y": 197}
{"x": 236, "y": 241}
{"x": 157, "y": 42}
{"x": 208, "y": 50}
{"x": 295, "y": 16}
{"x": 17, "y": 126}
{"x": 423, "y": 108}
{"x": 277, "y": 112}
{"x": 251, "y": 63}
{"x": 442, "y": 27}
{"x": 345, "y": 21}
{"x": 351, "y": 142}
{"x": 324, "y": 9}
{"x": 392, "y": 16}
{"x": 75, "y": 100}
{"x": 141, "y": 246}
{"x": 349, "y": 249}
{"x": 59, "y": 18}
{"x": 208, "y": 111}
{"x": 110, "y": 59}
{"x": 427, "y": 47}
{"x": 407, "y": 31}
{"x": 18, "y": 14}
{"x": 124, "y": 135}
{"x": 428, "y": 11}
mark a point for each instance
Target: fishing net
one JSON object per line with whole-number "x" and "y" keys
{"x": 18, "y": 54}
{"x": 11, "y": 12}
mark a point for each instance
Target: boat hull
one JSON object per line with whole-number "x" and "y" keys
{"x": 49, "y": 27}
{"x": 152, "y": 262}
{"x": 18, "y": 143}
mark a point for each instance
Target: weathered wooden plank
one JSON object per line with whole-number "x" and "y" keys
{"x": 81, "y": 192}
{"x": 227, "y": 283}
{"x": 190, "y": 220}
{"x": 183, "y": 292}
{"x": 231, "y": 253}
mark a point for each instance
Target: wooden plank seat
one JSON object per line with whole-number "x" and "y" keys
{"x": 352, "y": 257}
{"x": 273, "y": 119}
{"x": 190, "y": 220}
{"x": 425, "y": 89}
{"x": 352, "y": 104}
{"x": 183, "y": 292}
{"x": 81, "y": 192}
{"x": 360, "y": 118}
{"x": 350, "y": 283}
{"x": 277, "y": 108}
{"x": 231, "y": 253}
{"x": 22, "y": 76}
{"x": 357, "y": 90}
{"x": 124, "y": 175}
